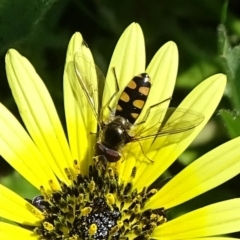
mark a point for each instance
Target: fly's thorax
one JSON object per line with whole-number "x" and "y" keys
{"x": 114, "y": 134}
{"x": 112, "y": 137}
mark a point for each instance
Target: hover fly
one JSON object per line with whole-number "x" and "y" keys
{"x": 120, "y": 128}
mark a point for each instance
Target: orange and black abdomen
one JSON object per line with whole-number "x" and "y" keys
{"x": 133, "y": 98}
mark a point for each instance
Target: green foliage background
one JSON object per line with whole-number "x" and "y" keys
{"x": 41, "y": 29}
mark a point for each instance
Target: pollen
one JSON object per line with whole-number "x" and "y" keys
{"x": 48, "y": 226}
{"x": 86, "y": 211}
{"x": 98, "y": 207}
{"x": 92, "y": 229}
{"x": 110, "y": 199}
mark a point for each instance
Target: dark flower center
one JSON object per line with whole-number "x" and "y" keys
{"x": 102, "y": 215}
{"x": 98, "y": 207}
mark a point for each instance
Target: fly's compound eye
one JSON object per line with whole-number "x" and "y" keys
{"x": 109, "y": 154}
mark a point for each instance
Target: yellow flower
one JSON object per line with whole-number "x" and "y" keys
{"x": 80, "y": 199}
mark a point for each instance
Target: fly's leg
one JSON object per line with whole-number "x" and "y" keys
{"x": 150, "y": 160}
{"x": 149, "y": 110}
{"x": 112, "y": 97}
{"x": 100, "y": 164}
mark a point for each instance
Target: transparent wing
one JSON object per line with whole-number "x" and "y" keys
{"x": 171, "y": 121}
{"x": 166, "y": 127}
{"x": 91, "y": 81}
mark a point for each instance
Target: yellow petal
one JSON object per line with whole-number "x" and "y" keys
{"x": 163, "y": 71}
{"x": 16, "y": 209}
{"x": 203, "y": 99}
{"x": 128, "y": 60}
{"x": 38, "y": 112}
{"x": 207, "y": 172}
{"x": 214, "y": 238}
{"x": 9, "y": 231}
{"x": 22, "y": 154}
{"x": 212, "y": 220}
{"x": 81, "y": 122}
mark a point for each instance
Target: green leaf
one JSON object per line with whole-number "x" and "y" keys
{"x": 195, "y": 74}
{"x": 18, "y": 18}
{"x": 19, "y": 185}
{"x": 230, "y": 58}
{"x": 233, "y": 60}
{"x": 231, "y": 121}
{"x": 224, "y": 11}
{"x": 223, "y": 43}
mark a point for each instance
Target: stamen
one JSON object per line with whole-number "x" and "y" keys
{"x": 68, "y": 173}
{"x": 91, "y": 186}
{"x": 53, "y": 185}
{"x": 92, "y": 230}
{"x": 110, "y": 199}
{"x": 38, "y": 214}
{"x": 76, "y": 167}
{"x": 86, "y": 211}
{"x": 48, "y": 226}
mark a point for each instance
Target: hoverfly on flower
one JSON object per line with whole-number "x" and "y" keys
{"x": 120, "y": 127}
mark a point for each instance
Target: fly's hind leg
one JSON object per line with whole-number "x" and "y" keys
{"x": 112, "y": 97}
{"x": 149, "y": 110}
{"x": 144, "y": 154}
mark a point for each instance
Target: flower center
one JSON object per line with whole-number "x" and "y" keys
{"x": 98, "y": 207}
{"x": 100, "y": 216}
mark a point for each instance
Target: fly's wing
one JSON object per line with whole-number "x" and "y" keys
{"x": 87, "y": 83}
{"x": 173, "y": 123}
{"x": 87, "y": 75}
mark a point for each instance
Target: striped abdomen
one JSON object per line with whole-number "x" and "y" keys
{"x": 133, "y": 98}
